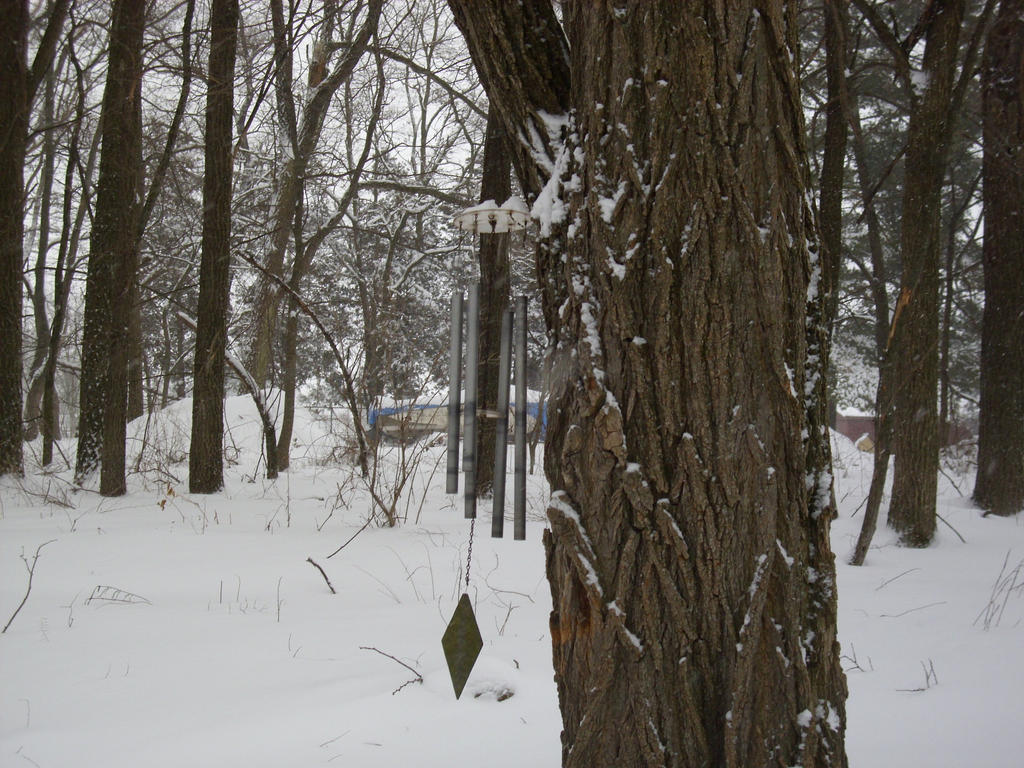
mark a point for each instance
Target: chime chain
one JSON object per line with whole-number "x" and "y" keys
{"x": 469, "y": 555}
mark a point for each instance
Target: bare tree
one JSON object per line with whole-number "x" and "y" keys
{"x": 323, "y": 84}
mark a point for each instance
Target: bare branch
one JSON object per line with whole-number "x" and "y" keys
{"x": 31, "y": 568}
{"x": 417, "y": 679}
{"x": 433, "y": 76}
{"x": 323, "y": 573}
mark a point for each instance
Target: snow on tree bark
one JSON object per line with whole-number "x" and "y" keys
{"x": 688, "y": 557}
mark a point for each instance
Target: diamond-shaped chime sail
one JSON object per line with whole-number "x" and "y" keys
{"x": 462, "y": 643}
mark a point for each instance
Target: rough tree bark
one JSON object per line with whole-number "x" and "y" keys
{"x": 914, "y": 334}
{"x": 13, "y": 137}
{"x": 833, "y": 165}
{"x": 112, "y": 240}
{"x": 494, "y": 296}
{"x": 119, "y": 239}
{"x": 999, "y": 487}
{"x": 691, "y": 576}
{"x": 206, "y": 459}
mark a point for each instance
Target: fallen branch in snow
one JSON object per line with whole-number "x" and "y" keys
{"x": 909, "y": 610}
{"x": 930, "y": 679}
{"x": 890, "y": 581}
{"x": 855, "y": 662}
{"x": 115, "y": 595}
{"x": 417, "y": 679}
{"x": 31, "y": 567}
{"x": 323, "y": 573}
{"x": 352, "y": 537}
{"x": 954, "y": 530}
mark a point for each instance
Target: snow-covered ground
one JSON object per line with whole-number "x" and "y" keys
{"x": 164, "y": 629}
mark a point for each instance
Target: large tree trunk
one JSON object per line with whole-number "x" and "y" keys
{"x": 13, "y": 137}
{"x": 18, "y": 85}
{"x": 999, "y": 487}
{"x": 112, "y": 251}
{"x": 914, "y": 337}
{"x": 206, "y": 460}
{"x": 494, "y": 294}
{"x": 128, "y": 31}
{"x": 688, "y": 556}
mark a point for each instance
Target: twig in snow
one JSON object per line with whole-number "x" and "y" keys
{"x": 417, "y": 679}
{"x": 316, "y": 565}
{"x": 930, "y": 679}
{"x": 26, "y": 757}
{"x": 954, "y": 530}
{"x": 890, "y": 581}
{"x": 910, "y": 610}
{"x": 365, "y": 526}
{"x": 31, "y": 571}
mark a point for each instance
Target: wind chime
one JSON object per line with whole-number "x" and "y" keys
{"x": 462, "y": 641}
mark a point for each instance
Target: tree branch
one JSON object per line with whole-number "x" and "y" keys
{"x": 433, "y": 76}
{"x": 47, "y": 48}
{"x": 31, "y": 572}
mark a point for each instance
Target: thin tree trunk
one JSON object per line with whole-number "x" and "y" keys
{"x": 206, "y": 460}
{"x": 136, "y": 362}
{"x": 67, "y": 261}
{"x": 999, "y": 486}
{"x": 877, "y": 280}
{"x": 494, "y": 296}
{"x": 33, "y": 399}
{"x": 289, "y": 377}
{"x": 913, "y": 346}
{"x": 289, "y": 380}
{"x": 834, "y": 163}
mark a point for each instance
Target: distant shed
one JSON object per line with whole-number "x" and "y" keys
{"x": 857, "y": 424}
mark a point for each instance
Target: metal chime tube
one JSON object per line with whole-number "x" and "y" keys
{"x": 519, "y": 484}
{"x": 454, "y": 397}
{"x": 501, "y": 427}
{"x": 472, "y": 363}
